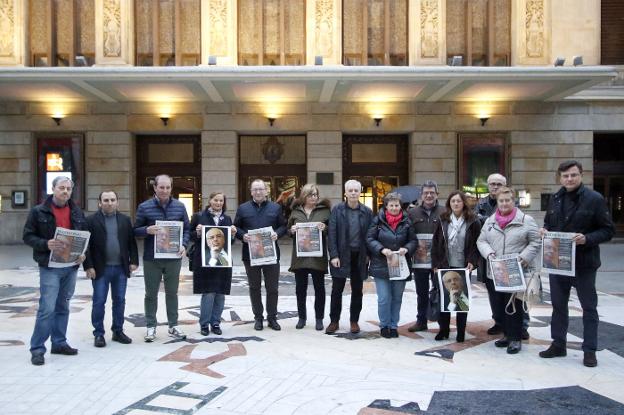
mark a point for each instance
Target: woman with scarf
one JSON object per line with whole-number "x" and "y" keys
{"x": 509, "y": 231}
{"x": 213, "y": 283}
{"x": 390, "y": 231}
{"x": 454, "y": 245}
{"x": 308, "y": 207}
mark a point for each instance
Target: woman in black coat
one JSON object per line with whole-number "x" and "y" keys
{"x": 390, "y": 232}
{"x": 213, "y": 283}
{"x": 454, "y": 245}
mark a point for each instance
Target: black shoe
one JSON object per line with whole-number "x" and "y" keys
{"x": 504, "y": 342}
{"x": 394, "y": 333}
{"x": 272, "y": 322}
{"x": 301, "y": 323}
{"x": 319, "y": 324}
{"x": 258, "y": 324}
{"x": 514, "y": 347}
{"x": 99, "y": 341}
{"x": 216, "y": 329}
{"x": 418, "y": 326}
{"x": 460, "y": 337}
{"x": 553, "y": 351}
{"x": 442, "y": 335}
{"x": 204, "y": 330}
{"x": 65, "y": 349}
{"x": 120, "y": 337}
{"x": 495, "y": 329}
{"x": 525, "y": 334}
{"x": 385, "y": 332}
{"x": 589, "y": 359}
{"x": 37, "y": 359}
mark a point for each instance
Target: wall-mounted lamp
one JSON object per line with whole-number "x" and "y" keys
{"x": 577, "y": 60}
{"x": 559, "y": 61}
{"x": 271, "y": 120}
{"x": 377, "y": 119}
{"x": 484, "y": 119}
{"x": 57, "y": 118}
{"x": 524, "y": 198}
{"x": 165, "y": 120}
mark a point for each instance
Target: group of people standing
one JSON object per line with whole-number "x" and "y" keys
{"x": 358, "y": 243}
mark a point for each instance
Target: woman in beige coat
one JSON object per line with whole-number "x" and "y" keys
{"x": 509, "y": 231}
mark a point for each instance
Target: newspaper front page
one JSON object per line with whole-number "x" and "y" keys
{"x": 261, "y": 247}
{"x": 309, "y": 241}
{"x": 559, "y": 253}
{"x": 507, "y": 273}
{"x": 168, "y": 240}
{"x": 74, "y": 244}
{"x": 397, "y": 266}
{"x": 422, "y": 257}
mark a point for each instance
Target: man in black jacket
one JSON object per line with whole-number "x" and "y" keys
{"x": 424, "y": 218}
{"x": 582, "y": 211}
{"x": 56, "y": 284}
{"x": 111, "y": 258}
{"x": 259, "y": 213}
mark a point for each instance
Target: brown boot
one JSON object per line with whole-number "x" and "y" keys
{"x": 418, "y": 326}
{"x": 355, "y": 328}
{"x": 332, "y": 328}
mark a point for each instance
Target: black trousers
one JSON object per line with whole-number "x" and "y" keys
{"x": 496, "y": 306}
{"x": 512, "y": 323}
{"x": 585, "y": 283}
{"x": 445, "y": 322}
{"x": 301, "y": 290}
{"x": 271, "y": 283}
{"x": 338, "y": 285}
{"x": 421, "y": 280}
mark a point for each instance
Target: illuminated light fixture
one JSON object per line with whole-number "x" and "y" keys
{"x": 377, "y": 119}
{"x": 559, "y": 61}
{"x": 271, "y": 119}
{"x": 484, "y": 119}
{"x": 57, "y": 118}
{"x": 165, "y": 119}
{"x": 524, "y": 198}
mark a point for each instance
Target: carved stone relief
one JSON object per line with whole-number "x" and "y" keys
{"x": 112, "y": 28}
{"x": 218, "y": 27}
{"x": 534, "y": 24}
{"x": 429, "y": 24}
{"x": 7, "y": 28}
{"x": 324, "y": 27}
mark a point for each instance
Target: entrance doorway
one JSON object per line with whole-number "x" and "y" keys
{"x": 609, "y": 174}
{"x": 177, "y": 156}
{"x": 380, "y": 163}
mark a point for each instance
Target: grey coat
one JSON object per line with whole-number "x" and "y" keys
{"x": 520, "y": 236}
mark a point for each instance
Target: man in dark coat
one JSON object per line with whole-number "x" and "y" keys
{"x": 424, "y": 218}
{"x": 348, "y": 224}
{"x": 582, "y": 211}
{"x": 111, "y": 259}
{"x": 56, "y": 284}
{"x": 254, "y": 214}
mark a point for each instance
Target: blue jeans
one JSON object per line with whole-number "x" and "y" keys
{"x": 56, "y": 287}
{"x": 211, "y": 308}
{"x": 114, "y": 277}
{"x": 389, "y": 299}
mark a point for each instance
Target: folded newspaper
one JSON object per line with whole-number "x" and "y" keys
{"x": 73, "y": 245}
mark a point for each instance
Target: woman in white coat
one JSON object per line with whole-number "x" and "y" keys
{"x": 509, "y": 231}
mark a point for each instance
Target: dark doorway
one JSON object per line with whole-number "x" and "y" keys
{"x": 177, "y": 156}
{"x": 379, "y": 162}
{"x": 609, "y": 174}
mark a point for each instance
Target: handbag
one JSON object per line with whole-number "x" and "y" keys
{"x": 433, "y": 308}
{"x": 190, "y": 253}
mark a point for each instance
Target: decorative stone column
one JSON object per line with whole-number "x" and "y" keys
{"x": 324, "y": 31}
{"x": 12, "y": 36}
{"x": 219, "y": 31}
{"x": 114, "y": 32}
{"x": 427, "y": 32}
{"x": 531, "y": 28}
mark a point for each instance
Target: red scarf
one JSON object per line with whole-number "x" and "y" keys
{"x": 393, "y": 221}
{"x": 504, "y": 220}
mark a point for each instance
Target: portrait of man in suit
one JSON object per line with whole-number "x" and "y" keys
{"x": 455, "y": 292}
{"x": 215, "y": 244}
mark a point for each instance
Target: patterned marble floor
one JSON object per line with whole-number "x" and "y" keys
{"x": 300, "y": 371}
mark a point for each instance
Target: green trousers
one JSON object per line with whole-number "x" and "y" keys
{"x": 154, "y": 271}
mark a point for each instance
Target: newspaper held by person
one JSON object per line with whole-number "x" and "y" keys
{"x": 422, "y": 256}
{"x": 71, "y": 245}
{"x": 168, "y": 239}
{"x": 397, "y": 266}
{"x": 309, "y": 240}
{"x": 261, "y": 247}
{"x": 559, "y": 253}
{"x": 507, "y": 273}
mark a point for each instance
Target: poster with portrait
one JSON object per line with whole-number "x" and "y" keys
{"x": 168, "y": 239}
{"x": 507, "y": 273}
{"x": 422, "y": 256}
{"x": 455, "y": 289}
{"x": 559, "y": 253}
{"x": 397, "y": 266}
{"x": 261, "y": 247}
{"x": 309, "y": 241}
{"x": 217, "y": 246}
{"x": 73, "y": 244}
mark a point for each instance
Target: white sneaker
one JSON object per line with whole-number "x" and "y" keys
{"x": 150, "y": 335}
{"x": 176, "y": 333}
